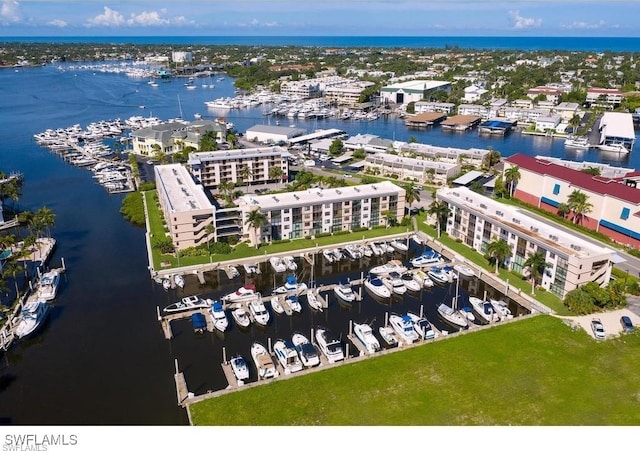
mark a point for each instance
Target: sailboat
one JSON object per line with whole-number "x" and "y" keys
{"x": 451, "y": 314}
{"x": 312, "y": 297}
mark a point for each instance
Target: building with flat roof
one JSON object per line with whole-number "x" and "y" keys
{"x": 610, "y": 98}
{"x": 307, "y": 213}
{"x": 347, "y": 93}
{"x": 407, "y": 168}
{"x": 617, "y": 128}
{"x": 273, "y": 133}
{"x": 446, "y": 154}
{"x": 435, "y": 107}
{"x": 478, "y": 220}
{"x": 412, "y": 91}
{"x": 171, "y": 137}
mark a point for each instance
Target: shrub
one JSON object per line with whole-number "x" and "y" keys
{"x": 147, "y": 186}
{"x": 133, "y": 209}
{"x": 220, "y": 248}
{"x": 162, "y": 244}
{"x": 341, "y": 232}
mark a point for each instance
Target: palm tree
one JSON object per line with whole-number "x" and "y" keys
{"x": 512, "y": 176}
{"x": 256, "y": 219}
{"x": 389, "y": 217}
{"x": 47, "y": 218}
{"x": 276, "y": 172}
{"x": 411, "y": 194}
{"x": 536, "y": 263}
{"x": 209, "y": 230}
{"x": 579, "y": 203}
{"x": 246, "y": 173}
{"x": 499, "y": 250}
{"x": 441, "y": 211}
{"x": 564, "y": 209}
{"x": 225, "y": 187}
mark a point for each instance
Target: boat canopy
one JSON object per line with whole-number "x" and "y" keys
{"x": 199, "y": 321}
{"x": 291, "y": 279}
{"x": 217, "y": 306}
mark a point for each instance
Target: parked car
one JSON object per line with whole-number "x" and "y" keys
{"x": 597, "y": 328}
{"x": 627, "y": 325}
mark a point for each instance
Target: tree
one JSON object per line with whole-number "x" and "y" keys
{"x": 390, "y": 217}
{"x": 46, "y": 218}
{"x": 246, "y": 173}
{"x": 336, "y": 148}
{"x": 412, "y": 139}
{"x": 536, "y": 263}
{"x": 208, "y": 141}
{"x": 411, "y": 194}
{"x": 256, "y": 220}
{"x": 563, "y": 209}
{"x": 575, "y": 122}
{"x": 359, "y": 154}
{"x": 499, "y": 190}
{"x": 579, "y": 203}
{"x": 276, "y": 172}
{"x": 232, "y": 139}
{"x": 209, "y": 230}
{"x": 512, "y": 176}
{"x": 492, "y": 158}
{"x": 591, "y": 170}
{"x": 441, "y": 211}
{"x": 498, "y": 250}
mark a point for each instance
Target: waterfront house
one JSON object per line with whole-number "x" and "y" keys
{"x": 412, "y": 91}
{"x": 406, "y": 168}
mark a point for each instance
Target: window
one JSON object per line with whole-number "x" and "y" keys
{"x": 556, "y": 189}
{"x": 625, "y": 213}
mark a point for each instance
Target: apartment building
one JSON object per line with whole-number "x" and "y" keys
{"x": 170, "y": 137}
{"x": 604, "y": 96}
{"x": 435, "y": 107}
{"x": 405, "y": 168}
{"x": 347, "y": 93}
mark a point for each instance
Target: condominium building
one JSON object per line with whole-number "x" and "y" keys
{"x": 307, "y": 213}
{"x": 347, "y": 93}
{"x": 248, "y": 166}
{"x": 477, "y": 220}
{"x": 405, "y": 168}
{"x": 170, "y": 137}
{"x": 604, "y": 96}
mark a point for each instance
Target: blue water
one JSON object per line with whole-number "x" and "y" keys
{"x": 611, "y": 44}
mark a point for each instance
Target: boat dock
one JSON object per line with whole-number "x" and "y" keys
{"x": 165, "y": 320}
{"x": 460, "y": 122}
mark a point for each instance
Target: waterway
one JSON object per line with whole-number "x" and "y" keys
{"x": 102, "y": 357}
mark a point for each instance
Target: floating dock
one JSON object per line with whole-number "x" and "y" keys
{"x": 461, "y": 122}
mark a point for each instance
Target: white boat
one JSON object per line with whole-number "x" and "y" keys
{"x": 438, "y": 275}
{"x": 47, "y": 287}
{"x": 329, "y": 345}
{"x": 277, "y": 264}
{"x": 577, "y": 143}
{"x": 410, "y": 282}
{"x": 218, "y": 316}
{"x": 328, "y": 255}
{"x": 178, "y": 280}
{"x": 483, "y": 308}
{"x": 291, "y": 285}
{"x": 306, "y": 351}
{"x": 276, "y": 305}
{"x": 232, "y": 271}
{"x": 365, "y": 250}
{"x": 314, "y": 302}
{"x": 388, "y": 335}
{"x": 166, "y": 284}
{"x": 344, "y": 291}
{"x": 450, "y": 272}
{"x": 377, "y": 287}
{"x": 290, "y": 263}
{"x": 241, "y": 317}
{"x": 241, "y": 293}
{"x": 403, "y": 327}
{"x": 263, "y": 362}
{"x": 464, "y": 270}
{"x": 352, "y": 251}
{"x": 428, "y": 258}
{"x": 394, "y": 283}
{"x": 337, "y": 254}
{"x": 259, "y": 312}
{"x": 422, "y": 278}
{"x": 390, "y": 266}
{"x": 399, "y": 246}
{"x": 33, "y": 315}
{"x": 422, "y": 326}
{"x": 452, "y": 316}
{"x": 240, "y": 369}
{"x": 416, "y": 239}
{"x": 365, "y": 335}
{"x": 386, "y": 247}
{"x": 251, "y": 268}
{"x": 287, "y": 355}
{"x": 188, "y": 303}
{"x": 501, "y": 308}
{"x": 377, "y": 251}
{"x": 614, "y": 147}
{"x": 293, "y": 302}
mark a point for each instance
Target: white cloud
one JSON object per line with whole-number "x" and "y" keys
{"x": 580, "y": 25}
{"x": 57, "y": 23}
{"x": 255, "y": 23}
{"x": 521, "y": 23}
{"x": 149, "y": 19}
{"x": 9, "y": 12}
{"x": 110, "y": 18}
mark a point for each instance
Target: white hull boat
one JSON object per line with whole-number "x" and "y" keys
{"x": 427, "y": 259}
{"x": 314, "y": 302}
{"x": 240, "y": 369}
{"x": 34, "y": 315}
{"x": 438, "y": 275}
{"x": 290, "y": 263}
{"x": 47, "y": 287}
{"x": 294, "y": 303}
{"x": 288, "y": 357}
{"x": 484, "y": 309}
{"x": 251, "y": 268}
{"x": 395, "y": 284}
{"x": 277, "y": 264}
{"x": 366, "y": 337}
{"x": 166, "y": 284}
{"x": 241, "y": 317}
{"x": 403, "y": 327}
{"x": 241, "y": 294}
{"x": 178, "y": 280}
{"x": 306, "y": 351}
{"x": 422, "y": 278}
{"x": 291, "y": 285}
{"x": 353, "y": 252}
{"x": 329, "y": 255}
{"x": 377, "y": 287}
{"x": 464, "y": 270}
{"x": 410, "y": 282}
{"x": 390, "y": 266}
{"x": 276, "y": 305}
{"x": 259, "y": 312}
{"x": 399, "y": 246}
{"x": 263, "y": 362}
{"x": 388, "y": 335}
{"x": 218, "y": 316}
{"x": 422, "y": 326}
{"x": 344, "y": 292}
{"x": 376, "y": 249}
{"x": 188, "y": 303}
{"x": 329, "y": 344}
{"x": 502, "y": 309}
{"x": 452, "y": 316}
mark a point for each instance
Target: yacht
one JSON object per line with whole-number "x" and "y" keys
{"x": 464, "y": 270}
{"x": 314, "y": 302}
{"x": 188, "y": 303}
{"x": 259, "y": 312}
{"x": 422, "y": 278}
{"x": 178, "y": 280}
{"x": 329, "y": 255}
{"x": 241, "y": 294}
{"x": 48, "y": 285}
{"x": 614, "y": 147}
{"x": 376, "y": 249}
{"x": 438, "y": 275}
{"x": 403, "y": 327}
{"x": 428, "y": 258}
{"x": 294, "y": 303}
{"x": 276, "y": 305}
{"x": 365, "y": 335}
{"x": 377, "y": 287}
{"x": 291, "y": 285}
{"x": 390, "y": 266}
{"x": 218, "y": 316}
{"x": 399, "y": 246}
{"x": 410, "y": 282}
{"x": 450, "y": 272}
{"x": 329, "y": 345}
{"x": 452, "y": 316}
{"x": 241, "y": 317}
{"x": 307, "y": 352}
{"x": 577, "y": 143}
{"x": 422, "y": 326}
{"x": 388, "y": 335}
{"x": 263, "y": 361}
{"x": 287, "y": 355}
{"x": 344, "y": 292}
{"x": 501, "y": 308}
{"x": 199, "y": 322}
{"x": 251, "y": 268}
{"x": 394, "y": 283}
{"x": 240, "y": 369}
{"x": 290, "y": 263}
{"x": 34, "y": 314}
{"x": 277, "y": 264}
{"x": 353, "y": 252}
{"x": 484, "y": 309}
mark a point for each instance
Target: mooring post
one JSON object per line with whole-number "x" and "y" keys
{"x": 175, "y": 361}
{"x": 347, "y": 353}
{"x": 63, "y": 265}
{"x": 224, "y": 354}
{"x": 158, "y": 313}
{"x": 421, "y": 310}
{"x": 269, "y": 344}
{"x": 386, "y": 319}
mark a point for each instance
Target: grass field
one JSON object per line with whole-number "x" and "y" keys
{"x": 537, "y": 371}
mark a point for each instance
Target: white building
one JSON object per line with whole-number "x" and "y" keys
{"x": 617, "y": 128}
{"x": 435, "y": 107}
{"x": 412, "y": 91}
{"x": 182, "y": 57}
{"x": 473, "y": 93}
{"x": 347, "y": 93}
{"x": 473, "y": 110}
{"x": 407, "y": 168}
{"x": 604, "y": 96}
{"x": 272, "y": 133}
{"x": 545, "y": 123}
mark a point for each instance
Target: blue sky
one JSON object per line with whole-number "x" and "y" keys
{"x": 319, "y": 17}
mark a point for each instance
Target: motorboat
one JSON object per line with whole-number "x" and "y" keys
{"x": 366, "y": 337}
{"x": 178, "y": 280}
{"x": 399, "y": 246}
{"x": 452, "y": 316}
{"x": 232, "y": 271}
{"x": 329, "y": 255}
{"x": 410, "y": 282}
{"x": 501, "y": 308}
{"x": 199, "y": 322}
{"x": 306, "y": 351}
{"x": 47, "y": 287}
{"x": 291, "y": 285}
{"x": 388, "y": 335}
{"x": 241, "y": 294}
{"x": 240, "y": 369}
{"x": 329, "y": 345}
{"x": 403, "y": 327}
{"x": 251, "y": 268}
{"x": 417, "y": 239}
{"x": 483, "y": 308}
{"x": 614, "y": 147}
{"x": 344, "y": 292}
{"x": 464, "y": 270}
{"x": 450, "y": 272}
{"x": 293, "y": 302}
{"x": 337, "y": 254}
{"x": 290, "y": 263}
{"x": 377, "y": 251}
{"x": 34, "y": 313}
{"x": 276, "y": 305}
{"x": 438, "y": 275}
{"x": 352, "y": 251}
{"x": 314, "y": 302}
{"x": 218, "y": 316}
{"x": 241, "y": 317}
{"x": 581, "y": 143}
{"x": 365, "y": 250}
{"x": 426, "y": 259}
{"x": 188, "y": 303}
{"x": 263, "y": 361}
{"x": 422, "y": 326}
{"x": 386, "y": 247}
{"x": 277, "y": 264}
{"x": 377, "y": 287}
{"x": 166, "y": 284}
{"x": 287, "y": 355}
{"x": 422, "y": 278}
{"x": 390, "y": 266}
{"x": 394, "y": 283}
{"x": 259, "y": 312}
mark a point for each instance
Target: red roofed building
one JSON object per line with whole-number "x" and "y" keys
{"x": 616, "y": 206}
{"x": 551, "y": 94}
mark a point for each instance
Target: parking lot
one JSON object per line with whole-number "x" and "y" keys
{"x": 610, "y": 320}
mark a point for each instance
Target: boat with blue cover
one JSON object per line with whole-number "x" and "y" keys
{"x": 428, "y": 258}
{"x": 199, "y": 322}
{"x": 291, "y": 285}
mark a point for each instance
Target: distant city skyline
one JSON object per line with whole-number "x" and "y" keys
{"x": 323, "y": 18}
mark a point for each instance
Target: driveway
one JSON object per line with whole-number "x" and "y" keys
{"x": 610, "y": 320}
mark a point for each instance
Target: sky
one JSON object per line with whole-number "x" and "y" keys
{"x": 319, "y": 18}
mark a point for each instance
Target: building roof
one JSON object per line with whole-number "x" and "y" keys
{"x": 619, "y": 125}
{"x": 289, "y": 132}
{"x": 467, "y": 178}
{"x": 343, "y": 158}
{"x": 181, "y": 191}
{"x": 396, "y": 161}
{"x": 426, "y": 117}
{"x": 224, "y": 155}
{"x": 317, "y": 135}
{"x": 415, "y": 85}
{"x": 599, "y": 185}
{"x": 461, "y": 119}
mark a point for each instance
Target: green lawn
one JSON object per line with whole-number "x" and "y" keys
{"x": 537, "y": 371}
